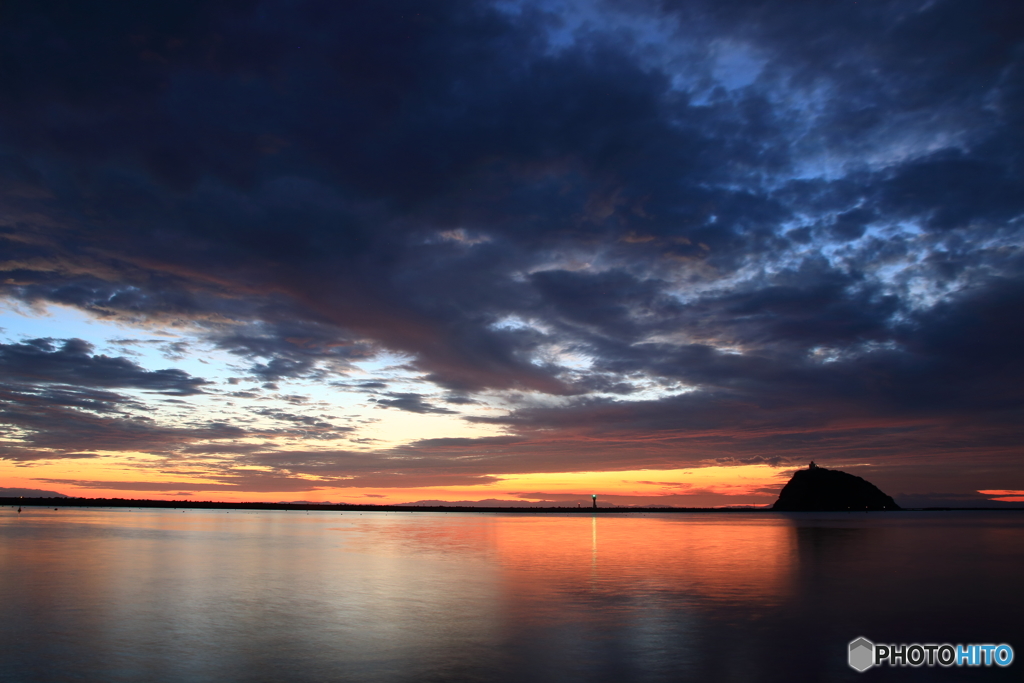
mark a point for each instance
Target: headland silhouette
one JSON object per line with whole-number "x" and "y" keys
{"x": 817, "y": 489}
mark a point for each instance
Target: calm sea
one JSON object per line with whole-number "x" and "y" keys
{"x": 214, "y": 596}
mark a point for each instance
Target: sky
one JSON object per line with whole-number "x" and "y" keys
{"x": 666, "y": 252}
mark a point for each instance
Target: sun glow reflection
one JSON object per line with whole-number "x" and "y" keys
{"x": 749, "y": 562}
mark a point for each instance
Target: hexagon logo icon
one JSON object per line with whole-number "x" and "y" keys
{"x": 862, "y": 654}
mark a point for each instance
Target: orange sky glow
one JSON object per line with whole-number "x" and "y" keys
{"x": 712, "y": 486}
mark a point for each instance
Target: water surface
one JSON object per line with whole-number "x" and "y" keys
{"x": 197, "y": 596}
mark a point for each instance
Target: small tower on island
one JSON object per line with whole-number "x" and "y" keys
{"x": 812, "y": 466}
{"x": 594, "y": 497}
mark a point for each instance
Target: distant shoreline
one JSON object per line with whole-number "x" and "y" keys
{"x": 342, "y": 507}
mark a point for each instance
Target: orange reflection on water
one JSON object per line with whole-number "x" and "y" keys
{"x": 729, "y": 558}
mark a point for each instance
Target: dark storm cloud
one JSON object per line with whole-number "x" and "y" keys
{"x": 806, "y": 215}
{"x": 72, "y": 362}
{"x": 927, "y": 60}
{"x": 311, "y": 237}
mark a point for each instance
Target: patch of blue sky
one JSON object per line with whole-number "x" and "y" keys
{"x": 556, "y": 354}
{"x": 385, "y": 364}
{"x": 515, "y": 322}
{"x": 643, "y": 390}
{"x": 648, "y": 392}
{"x": 511, "y": 322}
{"x": 573, "y": 361}
{"x": 145, "y": 346}
{"x": 198, "y": 358}
{"x": 656, "y": 392}
{"x": 20, "y": 322}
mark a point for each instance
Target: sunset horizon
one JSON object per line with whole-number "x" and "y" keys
{"x": 505, "y": 341}
{"x": 666, "y": 252}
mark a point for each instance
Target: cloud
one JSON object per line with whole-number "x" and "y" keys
{"x": 687, "y": 232}
{"x": 270, "y": 482}
{"x": 72, "y": 424}
{"x": 411, "y": 402}
{"x": 771, "y": 461}
{"x": 309, "y": 421}
{"x": 250, "y": 484}
{"x": 29, "y": 493}
{"x": 953, "y": 500}
{"x": 41, "y": 361}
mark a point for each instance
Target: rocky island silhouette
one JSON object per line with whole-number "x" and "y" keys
{"x": 821, "y": 490}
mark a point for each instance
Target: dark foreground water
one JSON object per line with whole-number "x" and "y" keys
{"x": 197, "y": 596}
